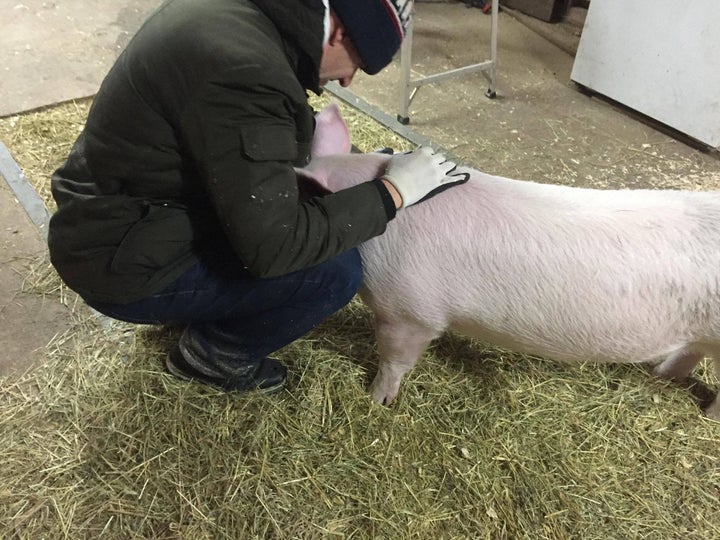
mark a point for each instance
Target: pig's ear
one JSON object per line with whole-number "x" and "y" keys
{"x": 331, "y": 134}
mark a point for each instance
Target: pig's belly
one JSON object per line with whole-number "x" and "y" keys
{"x": 570, "y": 345}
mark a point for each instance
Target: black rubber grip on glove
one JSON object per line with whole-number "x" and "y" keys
{"x": 440, "y": 189}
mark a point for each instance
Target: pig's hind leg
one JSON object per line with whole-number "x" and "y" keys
{"x": 713, "y": 410}
{"x": 400, "y": 345}
{"x": 678, "y": 365}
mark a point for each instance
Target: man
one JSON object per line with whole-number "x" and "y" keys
{"x": 179, "y": 203}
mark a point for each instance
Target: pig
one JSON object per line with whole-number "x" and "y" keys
{"x": 565, "y": 273}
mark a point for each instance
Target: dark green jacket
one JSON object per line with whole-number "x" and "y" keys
{"x": 190, "y": 146}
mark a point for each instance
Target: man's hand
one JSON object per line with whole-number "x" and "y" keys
{"x": 421, "y": 174}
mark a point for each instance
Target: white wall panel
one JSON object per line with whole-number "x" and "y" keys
{"x": 659, "y": 57}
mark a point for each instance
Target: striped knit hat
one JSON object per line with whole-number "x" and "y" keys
{"x": 376, "y": 28}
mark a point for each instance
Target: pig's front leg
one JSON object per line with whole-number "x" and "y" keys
{"x": 400, "y": 345}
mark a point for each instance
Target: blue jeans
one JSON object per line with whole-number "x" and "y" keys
{"x": 226, "y": 308}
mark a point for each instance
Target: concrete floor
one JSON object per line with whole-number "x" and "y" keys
{"x": 540, "y": 127}
{"x": 57, "y": 51}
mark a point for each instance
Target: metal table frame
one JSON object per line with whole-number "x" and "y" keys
{"x": 409, "y": 86}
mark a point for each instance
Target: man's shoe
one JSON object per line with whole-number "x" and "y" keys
{"x": 268, "y": 377}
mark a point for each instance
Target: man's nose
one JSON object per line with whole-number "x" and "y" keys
{"x": 345, "y": 81}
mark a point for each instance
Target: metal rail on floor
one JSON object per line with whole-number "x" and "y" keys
{"x": 409, "y": 86}
{"x": 23, "y": 191}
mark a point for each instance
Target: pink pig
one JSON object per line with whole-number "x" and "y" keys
{"x": 559, "y": 272}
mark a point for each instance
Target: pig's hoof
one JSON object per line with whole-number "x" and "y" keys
{"x": 382, "y": 396}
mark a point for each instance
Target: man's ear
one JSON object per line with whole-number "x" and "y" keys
{"x": 337, "y": 30}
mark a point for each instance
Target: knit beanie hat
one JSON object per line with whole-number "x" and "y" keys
{"x": 376, "y": 28}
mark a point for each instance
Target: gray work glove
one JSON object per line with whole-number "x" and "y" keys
{"x": 421, "y": 174}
